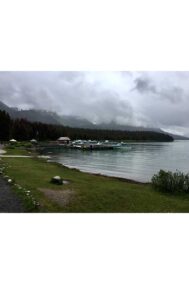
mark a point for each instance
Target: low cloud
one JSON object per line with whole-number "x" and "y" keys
{"x": 154, "y": 99}
{"x": 173, "y": 94}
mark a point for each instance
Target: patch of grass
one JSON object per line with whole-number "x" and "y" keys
{"x": 91, "y": 193}
{"x": 17, "y": 149}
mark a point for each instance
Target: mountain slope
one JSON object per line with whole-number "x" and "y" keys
{"x": 74, "y": 121}
{"x": 31, "y": 115}
{"x": 83, "y": 123}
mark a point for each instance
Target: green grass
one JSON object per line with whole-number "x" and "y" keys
{"x": 91, "y": 193}
{"x": 16, "y": 150}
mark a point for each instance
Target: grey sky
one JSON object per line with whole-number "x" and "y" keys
{"x": 155, "y": 99}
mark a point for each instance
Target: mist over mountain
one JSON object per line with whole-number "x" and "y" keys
{"x": 137, "y": 99}
{"x": 32, "y": 115}
{"x": 79, "y": 122}
{"x": 74, "y": 121}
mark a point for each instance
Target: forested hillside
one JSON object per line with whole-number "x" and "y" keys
{"x": 22, "y": 129}
{"x": 48, "y": 117}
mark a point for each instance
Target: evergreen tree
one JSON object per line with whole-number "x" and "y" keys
{"x": 5, "y": 126}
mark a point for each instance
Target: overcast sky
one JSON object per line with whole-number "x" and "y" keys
{"x": 155, "y": 99}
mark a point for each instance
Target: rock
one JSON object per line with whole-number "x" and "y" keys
{"x": 65, "y": 182}
{"x": 57, "y": 180}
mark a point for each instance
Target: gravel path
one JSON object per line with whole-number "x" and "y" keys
{"x": 14, "y": 156}
{"x": 9, "y": 202}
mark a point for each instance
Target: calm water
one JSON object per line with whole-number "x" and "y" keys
{"x": 139, "y": 161}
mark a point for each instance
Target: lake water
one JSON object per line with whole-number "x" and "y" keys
{"x": 138, "y": 161}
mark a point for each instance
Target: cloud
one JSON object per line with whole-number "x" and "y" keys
{"x": 173, "y": 94}
{"x": 154, "y": 99}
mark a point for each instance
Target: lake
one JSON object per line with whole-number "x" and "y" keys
{"x": 138, "y": 161}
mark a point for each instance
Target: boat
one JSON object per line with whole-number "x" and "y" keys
{"x": 95, "y": 145}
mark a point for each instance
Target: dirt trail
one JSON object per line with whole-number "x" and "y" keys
{"x": 9, "y": 202}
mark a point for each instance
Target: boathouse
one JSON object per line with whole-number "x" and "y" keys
{"x": 64, "y": 140}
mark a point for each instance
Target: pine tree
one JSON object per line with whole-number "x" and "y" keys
{"x": 5, "y": 126}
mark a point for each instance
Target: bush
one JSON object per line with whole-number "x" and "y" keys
{"x": 171, "y": 182}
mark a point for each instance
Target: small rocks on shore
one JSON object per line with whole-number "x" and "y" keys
{"x": 59, "y": 181}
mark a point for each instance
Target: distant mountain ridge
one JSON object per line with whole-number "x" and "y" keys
{"x": 31, "y": 115}
{"x": 74, "y": 121}
{"x": 78, "y": 122}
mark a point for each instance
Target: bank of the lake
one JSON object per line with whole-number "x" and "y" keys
{"x": 85, "y": 192}
{"x": 136, "y": 161}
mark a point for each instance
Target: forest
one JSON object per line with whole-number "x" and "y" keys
{"x": 21, "y": 130}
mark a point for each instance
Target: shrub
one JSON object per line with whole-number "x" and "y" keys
{"x": 171, "y": 182}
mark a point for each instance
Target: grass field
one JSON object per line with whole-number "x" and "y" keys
{"x": 85, "y": 192}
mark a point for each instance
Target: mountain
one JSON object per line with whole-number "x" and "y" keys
{"x": 74, "y": 121}
{"x": 79, "y": 122}
{"x": 176, "y": 137}
{"x": 31, "y": 115}
{"x": 6, "y": 108}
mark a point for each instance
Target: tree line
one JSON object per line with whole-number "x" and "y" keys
{"x": 21, "y": 129}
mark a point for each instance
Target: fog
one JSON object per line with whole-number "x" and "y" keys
{"x": 150, "y": 99}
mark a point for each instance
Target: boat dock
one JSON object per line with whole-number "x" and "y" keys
{"x": 84, "y": 145}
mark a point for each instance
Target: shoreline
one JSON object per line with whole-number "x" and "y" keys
{"x": 122, "y": 179}
{"x": 46, "y": 157}
{"x": 85, "y": 192}
{"x": 132, "y": 181}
